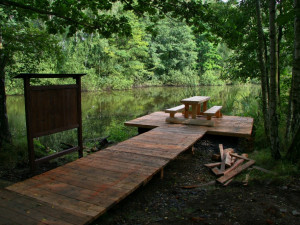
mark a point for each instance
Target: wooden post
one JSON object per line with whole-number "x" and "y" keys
{"x": 79, "y": 129}
{"x": 51, "y": 109}
{"x": 31, "y": 155}
{"x": 204, "y": 106}
{"x": 186, "y": 111}
{"x": 194, "y": 108}
{"x": 162, "y": 173}
{"x": 193, "y": 150}
{"x": 198, "y": 109}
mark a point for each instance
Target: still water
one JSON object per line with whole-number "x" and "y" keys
{"x": 104, "y": 113}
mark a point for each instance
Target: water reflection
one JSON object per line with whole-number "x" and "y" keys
{"x": 104, "y": 113}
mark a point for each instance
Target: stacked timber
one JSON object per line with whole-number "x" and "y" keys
{"x": 230, "y": 164}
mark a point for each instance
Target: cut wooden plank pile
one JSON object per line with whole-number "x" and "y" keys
{"x": 230, "y": 165}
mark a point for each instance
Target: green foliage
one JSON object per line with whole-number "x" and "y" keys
{"x": 119, "y": 132}
{"x": 211, "y": 77}
{"x": 169, "y": 55}
{"x": 173, "y": 53}
{"x": 14, "y": 154}
{"x": 283, "y": 170}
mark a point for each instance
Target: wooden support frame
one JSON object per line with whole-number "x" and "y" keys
{"x": 51, "y": 109}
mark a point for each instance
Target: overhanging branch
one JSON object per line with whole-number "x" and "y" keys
{"x": 44, "y": 12}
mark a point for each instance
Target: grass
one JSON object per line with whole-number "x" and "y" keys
{"x": 284, "y": 170}
{"x": 13, "y": 154}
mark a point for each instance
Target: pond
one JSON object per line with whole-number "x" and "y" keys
{"x": 104, "y": 113}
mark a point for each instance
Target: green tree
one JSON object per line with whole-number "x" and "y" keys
{"x": 20, "y": 40}
{"x": 293, "y": 126}
{"x": 173, "y": 53}
{"x": 72, "y": 15}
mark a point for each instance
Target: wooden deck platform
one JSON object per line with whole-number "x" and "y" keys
{"x": 227, "y": 125}
{"x": 81, "y": 191}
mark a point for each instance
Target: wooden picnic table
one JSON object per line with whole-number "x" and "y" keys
{"x": 195, "y": 102}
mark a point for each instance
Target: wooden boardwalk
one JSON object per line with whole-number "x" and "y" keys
{"x": 81, "y": 191}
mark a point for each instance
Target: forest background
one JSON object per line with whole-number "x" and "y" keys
{"x": 124, "y": 44}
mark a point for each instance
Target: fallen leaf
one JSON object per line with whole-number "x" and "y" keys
{"x": 268, "y": 221}
{"x": 197, "y": 219}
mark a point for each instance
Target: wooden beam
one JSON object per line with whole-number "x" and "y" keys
{"x": 216, "y": 171}
{"x": 198, "y": 122}
{"x": 235, "y": 165}
{"x": 211, "y": 165}
{"x": 236, "y": 171}
{"x": 239, "y": 156}
{"x": 223, "y": 156}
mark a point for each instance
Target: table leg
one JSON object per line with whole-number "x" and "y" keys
{"x": 194, "y": 111}
{"x": 198, "y": 109}
{"x": 186, "y": 111}
{"x": 204, "y": 106}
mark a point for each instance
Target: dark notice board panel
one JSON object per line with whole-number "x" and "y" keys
{"x": 53, "y": 109}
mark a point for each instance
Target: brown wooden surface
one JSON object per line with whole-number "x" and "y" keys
{"x": 236, "y": 171}
{"x": 53, "y": 109}
{"x": 227, "y": 125}
{"x": 195, "y": 99}
{"x": 84, "y": 189}
{"x": 213, "y": 110}
{"x": 81, "y": 191}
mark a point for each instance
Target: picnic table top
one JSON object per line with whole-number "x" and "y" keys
{"x": 195, "y": 99}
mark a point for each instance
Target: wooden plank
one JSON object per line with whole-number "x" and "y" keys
{"x": 27, "y": 209}
{"x": 235, "y": 165}
{"x": 123, "y": 157}
{"x": 179, "y": 108}
{"x": 185, "y": 121}
{"x": 227, "y": 125}
{"x": 151, "y": 148}
{"x": 197, "y": 99}
{"x": 166, "y": 138}
{"x": 239, "y": 156}
{"x": 16, "y": 218}
{"x": 236, "y": 171}
{"x": 211, "y": 165}
{"x": 216, "y": 171}
{"x": 91, "y": 185}
{"x": 155, "y": 145}
{"x": 163, "y": 155}
{"x": 31, "y": 205}
{"x": 90, "y": 171}
{"x": 223, "y": 157}
{"x": 60, "y": 200}
{"x": 99, "y": 197}
{"x": 212, "y": 111}
{"x": 227, "y": 159}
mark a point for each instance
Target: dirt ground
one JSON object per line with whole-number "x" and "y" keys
{"x": 165, "y": 201}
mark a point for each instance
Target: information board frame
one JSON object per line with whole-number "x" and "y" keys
{"x": 51, "y": 109}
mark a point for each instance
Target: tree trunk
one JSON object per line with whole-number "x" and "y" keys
{"x": 274, "y": 139}
{"x": 293, "y": 126}
{"x": 266, "y": 58}
{"x": 264, "y": 83}
{"x": 294, "y": 150}
{"x": 5, "y": 135}
{"x": 278, "y": 53}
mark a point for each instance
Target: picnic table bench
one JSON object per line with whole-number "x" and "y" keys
{"x": 195, "y": 102}
{"x": 175, "y": 110}
{"x": 213, "y": 111}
